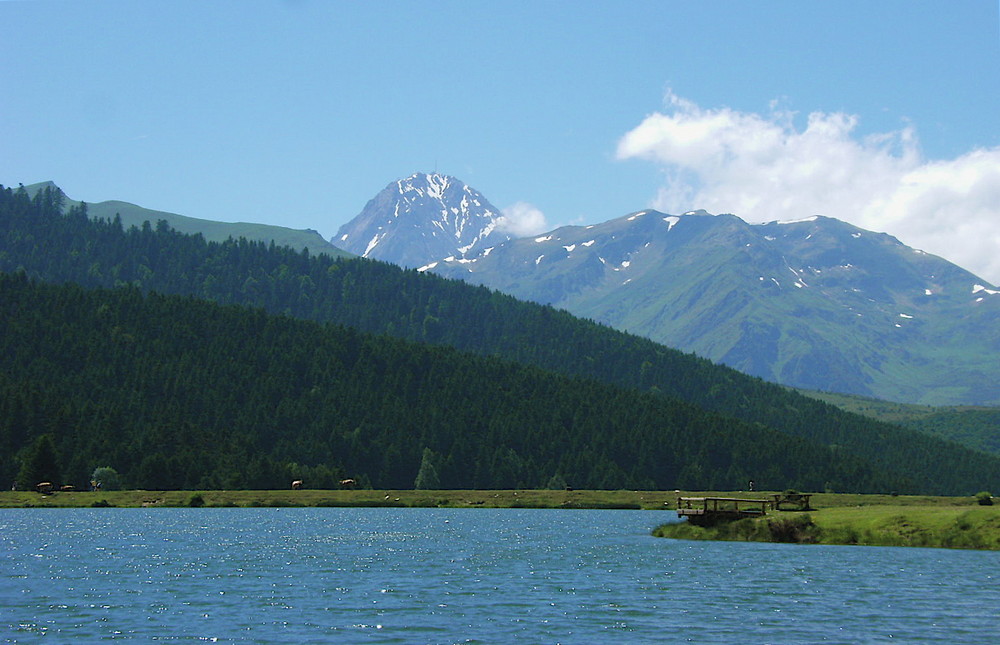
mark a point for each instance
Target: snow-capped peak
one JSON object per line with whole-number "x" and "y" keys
{"x": 432, "y": 185}
{"x": 421, "y": 219}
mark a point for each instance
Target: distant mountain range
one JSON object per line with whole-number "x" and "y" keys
{"x": 160, "y": 388}
{"x": 815, "y": 303}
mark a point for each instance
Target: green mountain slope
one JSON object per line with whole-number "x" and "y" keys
{"x": 180, "y": 393}
{"x": 132, "y": 215}
{"x": 974, "y": 427}
{"x": 35, "y": 238}
{"x": 816, "y": 304}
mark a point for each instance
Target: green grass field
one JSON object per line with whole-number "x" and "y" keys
{"x": 369, "y": 498}
{"x": 923, "y": 522}
{"x": 649, "y": 500}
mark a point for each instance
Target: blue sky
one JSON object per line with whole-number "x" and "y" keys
{"x": 296, "y": 113}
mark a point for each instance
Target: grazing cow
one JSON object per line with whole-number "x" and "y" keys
{"x": 44, "y": 487}
{"x": 297, "y": 484}
{"x": 348, "y": 483}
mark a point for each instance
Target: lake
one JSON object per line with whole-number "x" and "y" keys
{"x": 317, "y": 575}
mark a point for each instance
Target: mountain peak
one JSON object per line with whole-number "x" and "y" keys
{"x": 433, "y": 185}
{"x": 420, "y": 219}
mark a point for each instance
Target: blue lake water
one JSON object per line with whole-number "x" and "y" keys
{"x": 323, "y": 575}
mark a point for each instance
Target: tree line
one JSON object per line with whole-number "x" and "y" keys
{"x": 42, "y": 242}
{"x": 176, "y": 392}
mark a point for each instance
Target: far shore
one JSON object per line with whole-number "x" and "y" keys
{"x": 835, "y": 518}
{"x": 592, "y": 499}
{"x": 346, "y": 498}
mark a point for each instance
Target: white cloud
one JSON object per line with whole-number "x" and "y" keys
{"x": 521, "y": 220}
{"x": 762, "y": 168}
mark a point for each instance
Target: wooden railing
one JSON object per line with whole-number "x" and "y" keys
{"x": 708, "y": 510}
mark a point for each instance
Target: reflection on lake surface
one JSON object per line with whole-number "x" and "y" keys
{"x": 317, "y": 575}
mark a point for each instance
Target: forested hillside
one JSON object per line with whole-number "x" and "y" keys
{"x": 175, "y": 392}
{"x": 133, "y": 215}
{"x": 974, "y": 427}
{"x": 38, "y": 240}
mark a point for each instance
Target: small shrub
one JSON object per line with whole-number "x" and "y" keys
{"x": 846, "y": 535}
{"x": 984, "y": 498}
{"x": 196, "y": 501}
{"x": 107, "y": 478}
{"x": 799, "y": 528}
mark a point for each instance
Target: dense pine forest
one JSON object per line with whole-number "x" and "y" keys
{"x": 780, "y": 438}
{"x": 174, "y": 392}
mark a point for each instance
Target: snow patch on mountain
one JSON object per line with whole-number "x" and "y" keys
{"x": 373, "y": 243}
{"x": 422, "y": 218}
{"x": 797, "y": 221}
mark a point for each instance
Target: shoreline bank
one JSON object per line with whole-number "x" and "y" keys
{"x": 958, "y": 526}
{"x": 837, "y": 518}
{"x": 625, "y": 499}
{"x": 636, "y": 500}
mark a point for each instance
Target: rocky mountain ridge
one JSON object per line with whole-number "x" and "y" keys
{"x": 422, "y": 218}
{"x": 815, "y": 303}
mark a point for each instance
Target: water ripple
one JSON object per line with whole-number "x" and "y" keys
{"x": 464, "y": 576}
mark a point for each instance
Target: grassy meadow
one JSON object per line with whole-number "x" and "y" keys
{"x": 957, "y": 522}
{"x": 359, "y": 498}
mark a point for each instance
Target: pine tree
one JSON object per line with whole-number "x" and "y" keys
{"x": 40, "y": 464}
{"x": 427, "y": 476}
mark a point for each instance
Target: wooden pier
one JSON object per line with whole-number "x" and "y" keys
{"x": 706, "y": 511}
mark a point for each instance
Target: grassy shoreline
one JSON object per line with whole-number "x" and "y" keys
{"x": 594, "y": 499}
{"x": 959, "y": 526}
{"x": 838, "y": 518}
{"x": 647, "y": 500}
